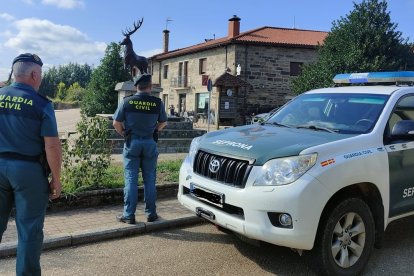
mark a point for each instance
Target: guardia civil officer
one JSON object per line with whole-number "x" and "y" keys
{"x": 139, "y": 118}
{"x": 28, "y": 128}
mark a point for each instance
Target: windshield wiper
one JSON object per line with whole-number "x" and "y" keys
{"x": 275, "y": 124}
{"x": 313, "y": 127}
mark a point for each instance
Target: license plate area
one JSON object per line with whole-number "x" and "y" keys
{"x": 207, "y": 195}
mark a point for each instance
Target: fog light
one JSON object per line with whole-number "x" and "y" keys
{"x": 285, "y": 220}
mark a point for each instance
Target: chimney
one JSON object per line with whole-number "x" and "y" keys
{"x": 166, "y": 40}
{"x": 234, "y": 26}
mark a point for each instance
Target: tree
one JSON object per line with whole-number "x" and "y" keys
{"x": 365, "y": 40}
{"x": 100, "y": 96}
{"x": 67, "y": 74}
{"x": 61, "y": 91}
{"x": 75, "y": 92}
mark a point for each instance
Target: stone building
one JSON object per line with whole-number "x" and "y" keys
{"x": 251, "y": 71}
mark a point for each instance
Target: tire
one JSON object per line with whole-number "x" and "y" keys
{"x": 345, "y": 239}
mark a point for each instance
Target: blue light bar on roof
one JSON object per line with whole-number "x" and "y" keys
{"x": 400, "y": 76}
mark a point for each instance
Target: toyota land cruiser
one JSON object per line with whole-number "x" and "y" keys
{"x": 326, "y": 173}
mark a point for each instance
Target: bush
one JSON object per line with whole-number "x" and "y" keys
{"x": 87, "y": 157}
{"x": 75, "y": 93}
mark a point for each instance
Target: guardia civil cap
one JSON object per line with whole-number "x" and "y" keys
{"x": 143, "y": 78}
{"x": 27, "y": 57}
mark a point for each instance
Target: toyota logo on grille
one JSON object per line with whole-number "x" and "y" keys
{"x": 214, "y": 166}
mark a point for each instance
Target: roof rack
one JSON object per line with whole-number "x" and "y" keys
{"x": 398, "y": 77}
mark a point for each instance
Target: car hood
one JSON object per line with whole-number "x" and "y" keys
{"x": 261, "y": 143}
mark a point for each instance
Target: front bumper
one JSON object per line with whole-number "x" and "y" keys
{"x": 247, "y": 209}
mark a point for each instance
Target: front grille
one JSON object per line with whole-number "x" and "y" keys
{"x": 231, "y": 171}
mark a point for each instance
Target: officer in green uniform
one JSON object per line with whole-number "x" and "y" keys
{"x": 139, "y": 118}
{"x": 28, "y": 128}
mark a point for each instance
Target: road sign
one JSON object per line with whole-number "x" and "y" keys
{"x": 209, "y": 85}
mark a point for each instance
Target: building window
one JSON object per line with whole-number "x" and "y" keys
{"x": 202, "y": 103}
{"x": 165, "y": 72}
{"x": 295, "y": 68}
{"x": 183, "y": 74}
{"x": 203, "y": 66}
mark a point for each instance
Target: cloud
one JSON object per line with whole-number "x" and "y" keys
{"x": 55, "y": 44}
{"x": 4, "y": 73}
{"x": 6, "y": 16}
{"x": 65, "y": 4}
{"x": 150, "y": 53}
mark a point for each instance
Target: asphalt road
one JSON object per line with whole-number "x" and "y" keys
{"x": 203, "y": 250}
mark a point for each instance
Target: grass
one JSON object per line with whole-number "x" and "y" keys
{"x": 167, "y": 172}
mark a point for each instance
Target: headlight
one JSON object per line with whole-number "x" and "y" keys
{"x": 193, "y": 149}
{"x": 283, "y": 171}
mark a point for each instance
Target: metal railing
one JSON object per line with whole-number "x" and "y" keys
{"x": 180, "y": 81}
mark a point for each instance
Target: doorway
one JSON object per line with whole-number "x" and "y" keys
{"x": 165, "y": 100}
{"x": 181, "y": 102}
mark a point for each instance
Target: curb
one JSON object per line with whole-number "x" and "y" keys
{"x": 101, "y": 234}
{"x": 105, "y": 196}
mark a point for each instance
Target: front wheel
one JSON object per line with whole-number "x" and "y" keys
{"x": 345, "y": 239}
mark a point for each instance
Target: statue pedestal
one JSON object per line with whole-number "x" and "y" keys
{"x": 127, "y": 88}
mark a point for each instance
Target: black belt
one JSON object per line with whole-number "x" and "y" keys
{"x": 18, "y": 156}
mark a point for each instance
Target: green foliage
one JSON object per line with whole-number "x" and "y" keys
{"x": 100, "y": 96}
{"x": 167, "y": 172}
{"x": 114, "y": 177}
{"x": 75, "y": 93}
{"x": 363, "y": 41}
{"x": 68, "y": 74}
{"x": 87, "y": 157}
{"x": 61, "y": 91}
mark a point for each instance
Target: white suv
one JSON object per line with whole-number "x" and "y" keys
{"x": 327, "y": 172}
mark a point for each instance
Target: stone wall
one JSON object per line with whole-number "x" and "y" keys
{"x": 267, "y": 68}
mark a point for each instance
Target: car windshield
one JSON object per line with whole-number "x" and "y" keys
{"x": 333, "y": 112}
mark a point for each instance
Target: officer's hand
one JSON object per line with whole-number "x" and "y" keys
{"x": 55, "y": 188}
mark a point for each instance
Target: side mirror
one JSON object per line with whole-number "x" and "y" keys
{"x": 403, "y": 130}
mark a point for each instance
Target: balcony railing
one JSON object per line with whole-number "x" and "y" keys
{"x": 180, "y": 81}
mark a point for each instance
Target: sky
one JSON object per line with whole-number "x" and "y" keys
{"x": 78, "y": 31}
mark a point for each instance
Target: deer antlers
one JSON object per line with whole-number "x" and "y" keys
{"x": 136, "y": 27}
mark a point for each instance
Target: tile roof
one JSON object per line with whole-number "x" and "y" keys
{"x": 281, "y": 36}
{"x": 264, "y": 36}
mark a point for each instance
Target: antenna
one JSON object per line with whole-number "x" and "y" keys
{"x": 166, "y": 22}
{"x": 294, "y": 22}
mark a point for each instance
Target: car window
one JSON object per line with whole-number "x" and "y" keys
{"x": 404, "y": 110}
{"x": 340, "y": 112}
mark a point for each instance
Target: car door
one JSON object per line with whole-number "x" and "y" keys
{"x": 401, "y": 160}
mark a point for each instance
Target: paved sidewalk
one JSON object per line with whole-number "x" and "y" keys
{"x": 88, "y": 225}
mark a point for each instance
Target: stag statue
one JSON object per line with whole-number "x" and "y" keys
{"x": 130, "y": 58}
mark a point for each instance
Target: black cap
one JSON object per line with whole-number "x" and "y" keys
{"x": 27, "y": 57}
{"x": 142, "y": 79}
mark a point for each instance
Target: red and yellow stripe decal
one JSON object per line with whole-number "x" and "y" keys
{"x": 327, "y": 162}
